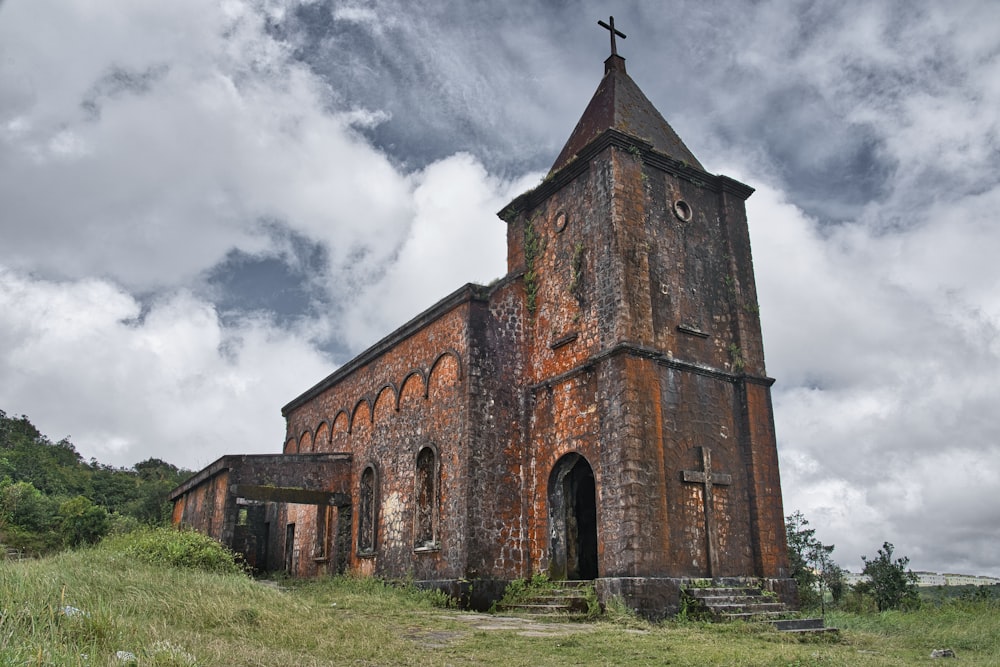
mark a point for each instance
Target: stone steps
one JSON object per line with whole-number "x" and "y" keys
{"x": 564, "y": 600}
{"x": 751, "y": 605}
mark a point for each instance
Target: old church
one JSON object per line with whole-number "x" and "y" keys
{"x": 602, "y": 412}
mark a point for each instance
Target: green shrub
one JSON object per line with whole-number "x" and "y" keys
{"x": 889, "y": 581}
{"x": 175, "y": 548}
{"x": 82, "y": 522}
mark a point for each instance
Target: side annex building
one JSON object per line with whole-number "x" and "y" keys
{"x": 602, "y": 412}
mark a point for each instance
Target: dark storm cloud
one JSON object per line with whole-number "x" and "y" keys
{"x": 452, "y": 76}
{"x": 487, "y": 77}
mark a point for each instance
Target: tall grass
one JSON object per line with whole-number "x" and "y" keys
{"x": 961, "y": 625}
{"x": 114, "y": 605}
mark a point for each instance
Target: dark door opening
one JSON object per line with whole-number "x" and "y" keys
{"x": 290, "y": 549}
{"x": 343, "y": 539}
{"x": 264, "y": 549}
{"x": 573, "y": 519}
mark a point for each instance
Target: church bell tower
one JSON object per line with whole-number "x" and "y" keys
{"x": 644, "y": 364}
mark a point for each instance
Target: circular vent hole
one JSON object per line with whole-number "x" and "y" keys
{"x": 682, "y": 210}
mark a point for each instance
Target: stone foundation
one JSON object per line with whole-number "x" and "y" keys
{"x": 653, "y": 598}
{"x": 656, "y": 598}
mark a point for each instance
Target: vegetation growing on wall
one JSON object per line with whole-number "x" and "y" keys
{"x": 533, "y": 246}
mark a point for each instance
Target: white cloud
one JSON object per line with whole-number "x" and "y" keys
{"x": 181, "y": 135}
{"x": 885, "y": 371}
{"x": 455, "y": 238}
{"x": 162, "y": 148}
{"x": 78, "y": 359}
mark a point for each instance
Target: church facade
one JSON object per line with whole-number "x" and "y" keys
{"x": 602, "y": 412}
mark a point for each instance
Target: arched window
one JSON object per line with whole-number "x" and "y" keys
{"x": 368, "y": 506}
{"x": 426, "y": 493}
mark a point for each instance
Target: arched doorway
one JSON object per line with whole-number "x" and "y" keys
{"x": 572, "y": 519}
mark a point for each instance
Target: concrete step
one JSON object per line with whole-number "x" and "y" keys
{"x": 752, "y": 608}
{"x": 728, "y": 603}
{"x": 753, "y": 617}
{"x": 559, "y": 616}
{"x": 567, "y": 601}
{"x": 809, "y": 632}
{"x": 564, "y": 592}
{"x": 723, "y": 591}
{"x": 544, "y": 604}
{"x": 533, "y": 606}
{"x": 798, "y": 624}
{"x": 734, "y": 599}
{"x": 559, "y": 601}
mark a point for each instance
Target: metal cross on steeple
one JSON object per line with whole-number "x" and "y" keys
{"x": 614, "y": 31}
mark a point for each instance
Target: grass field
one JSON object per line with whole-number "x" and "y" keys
{"x": 87, "y": 607}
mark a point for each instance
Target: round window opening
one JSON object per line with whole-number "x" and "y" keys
{"x": 682, "y": 210}
{"x": 561, "y": 220}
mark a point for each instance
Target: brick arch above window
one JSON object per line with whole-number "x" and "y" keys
{"x": 305, "y": 442}
{"x": 341, "y": 422}
{"x": 386, "y": 400}
{"x": 362, "y": 409}
{"x": 445, "y": 372}
{"x": 414, "y": 385}
{"x": 321, "y": 439}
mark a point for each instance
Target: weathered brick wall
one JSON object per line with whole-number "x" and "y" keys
{"x": 703, "y": 412}
{"x": 303, "y": 517}
{"x": 203, "y": 508}
{"x": 632, "y": 455}
{"x": 414, "y": 394}
{"x": 496, "y": 452}
{"x": 608, "y": 260}
{"x": 565, "y": 248}
{"x": 765, "y": 504}
{"x": 565, "y": 418}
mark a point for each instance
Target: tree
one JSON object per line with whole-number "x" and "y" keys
{"x": 50, "y": 497}
{"x": 833, "y": 577}
{"x": 159, "y": 478}
{"x": 83, "y": 522}
{"x": 889, "y": 581}
{"x": 27, "y": 518}
{"x": 25, "y": 507}
{"x": 810, "y": 562}
{"x": 157, "y": 470}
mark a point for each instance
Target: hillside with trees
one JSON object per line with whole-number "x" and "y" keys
{"x": 50, "y": 498}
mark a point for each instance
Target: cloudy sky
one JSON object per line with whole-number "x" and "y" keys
{"x": 206, "y": 206}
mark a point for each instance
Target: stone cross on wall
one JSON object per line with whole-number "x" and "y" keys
{"x": 709, "y": 479}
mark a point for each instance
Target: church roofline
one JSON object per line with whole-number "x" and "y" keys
{"x": 619, "y": 103}
{"x": 465, "y": 294}
{"x": 618, "y": 139}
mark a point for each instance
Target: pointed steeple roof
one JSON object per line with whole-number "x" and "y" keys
{"x": 619, "y": 104}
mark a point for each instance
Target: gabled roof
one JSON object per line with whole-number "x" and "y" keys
{"x": 619, "y": 104}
